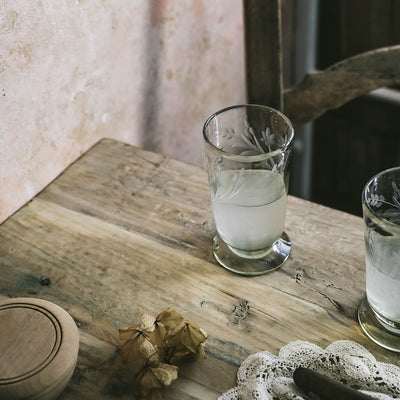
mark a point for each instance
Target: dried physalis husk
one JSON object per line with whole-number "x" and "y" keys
{"x": 192, "y": 337}
{"x": 137, "y": 344}
{"x": 162, "y": 338}
{"x": 155, "y": 376}
{"x": 171, "y": 319}
{"x": 158, "y": 331}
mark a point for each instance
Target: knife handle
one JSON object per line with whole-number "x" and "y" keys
{"x": 326, "y": 388}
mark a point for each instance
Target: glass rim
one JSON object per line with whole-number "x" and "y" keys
{"x": 367, "y": 206}
{"x": 255, "y": 157}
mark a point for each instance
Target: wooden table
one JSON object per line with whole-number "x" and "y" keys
{"x": 124, "y": 231}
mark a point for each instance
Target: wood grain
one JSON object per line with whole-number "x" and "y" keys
{"x": 124, "y": 231}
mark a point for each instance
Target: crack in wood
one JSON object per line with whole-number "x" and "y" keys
{"x": 337, "y": 305}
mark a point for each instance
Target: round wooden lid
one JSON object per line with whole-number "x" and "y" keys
{"x": 39, "y": 345}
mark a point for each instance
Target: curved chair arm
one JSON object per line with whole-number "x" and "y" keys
{"x": 328, "y": 89}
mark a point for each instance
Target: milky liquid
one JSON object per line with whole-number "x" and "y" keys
{"x": 249, "y": 208}
{"x": 383, "y": 275}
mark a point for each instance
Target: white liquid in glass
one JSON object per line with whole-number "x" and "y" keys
{"x": 383, "y": 276}
{"x": 249, "y": 208}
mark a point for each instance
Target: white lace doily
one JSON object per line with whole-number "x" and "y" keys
{"x": 264, "y": 376}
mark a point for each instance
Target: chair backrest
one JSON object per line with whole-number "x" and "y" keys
{"x": 319, "y": 91}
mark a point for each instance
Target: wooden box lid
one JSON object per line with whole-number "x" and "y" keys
{"x": 39, "y": 345}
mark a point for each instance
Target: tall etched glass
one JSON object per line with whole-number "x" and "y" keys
{"x": 379, "y": 313}
{"x": 247, "y": 151}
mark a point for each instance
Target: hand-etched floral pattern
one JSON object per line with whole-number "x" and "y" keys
{"x": 231, "y": 185}
{"x": 392, "y": 212}
{"x": 234, "y": 188}
{"x": 376, "y": 200}
{"x": 247, "y": 144}
{"x": 245, "y": 139}
{"x": 396, "y": 195}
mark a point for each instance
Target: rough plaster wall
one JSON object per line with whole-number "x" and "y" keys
{"x": 144, "y": 72}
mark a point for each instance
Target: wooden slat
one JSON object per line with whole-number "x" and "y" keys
{"x": 328, "y": 89}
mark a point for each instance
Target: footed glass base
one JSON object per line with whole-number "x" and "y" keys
{"x": 382, "y": 334}
{"x": 252, "y": 263}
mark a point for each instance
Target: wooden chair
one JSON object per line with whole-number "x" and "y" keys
{"x": 319, "y": 91}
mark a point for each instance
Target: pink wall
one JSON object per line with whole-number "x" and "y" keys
{"x": 144, "y": 72}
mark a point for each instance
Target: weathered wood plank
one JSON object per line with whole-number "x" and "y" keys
{"x": 125, "y": 231}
